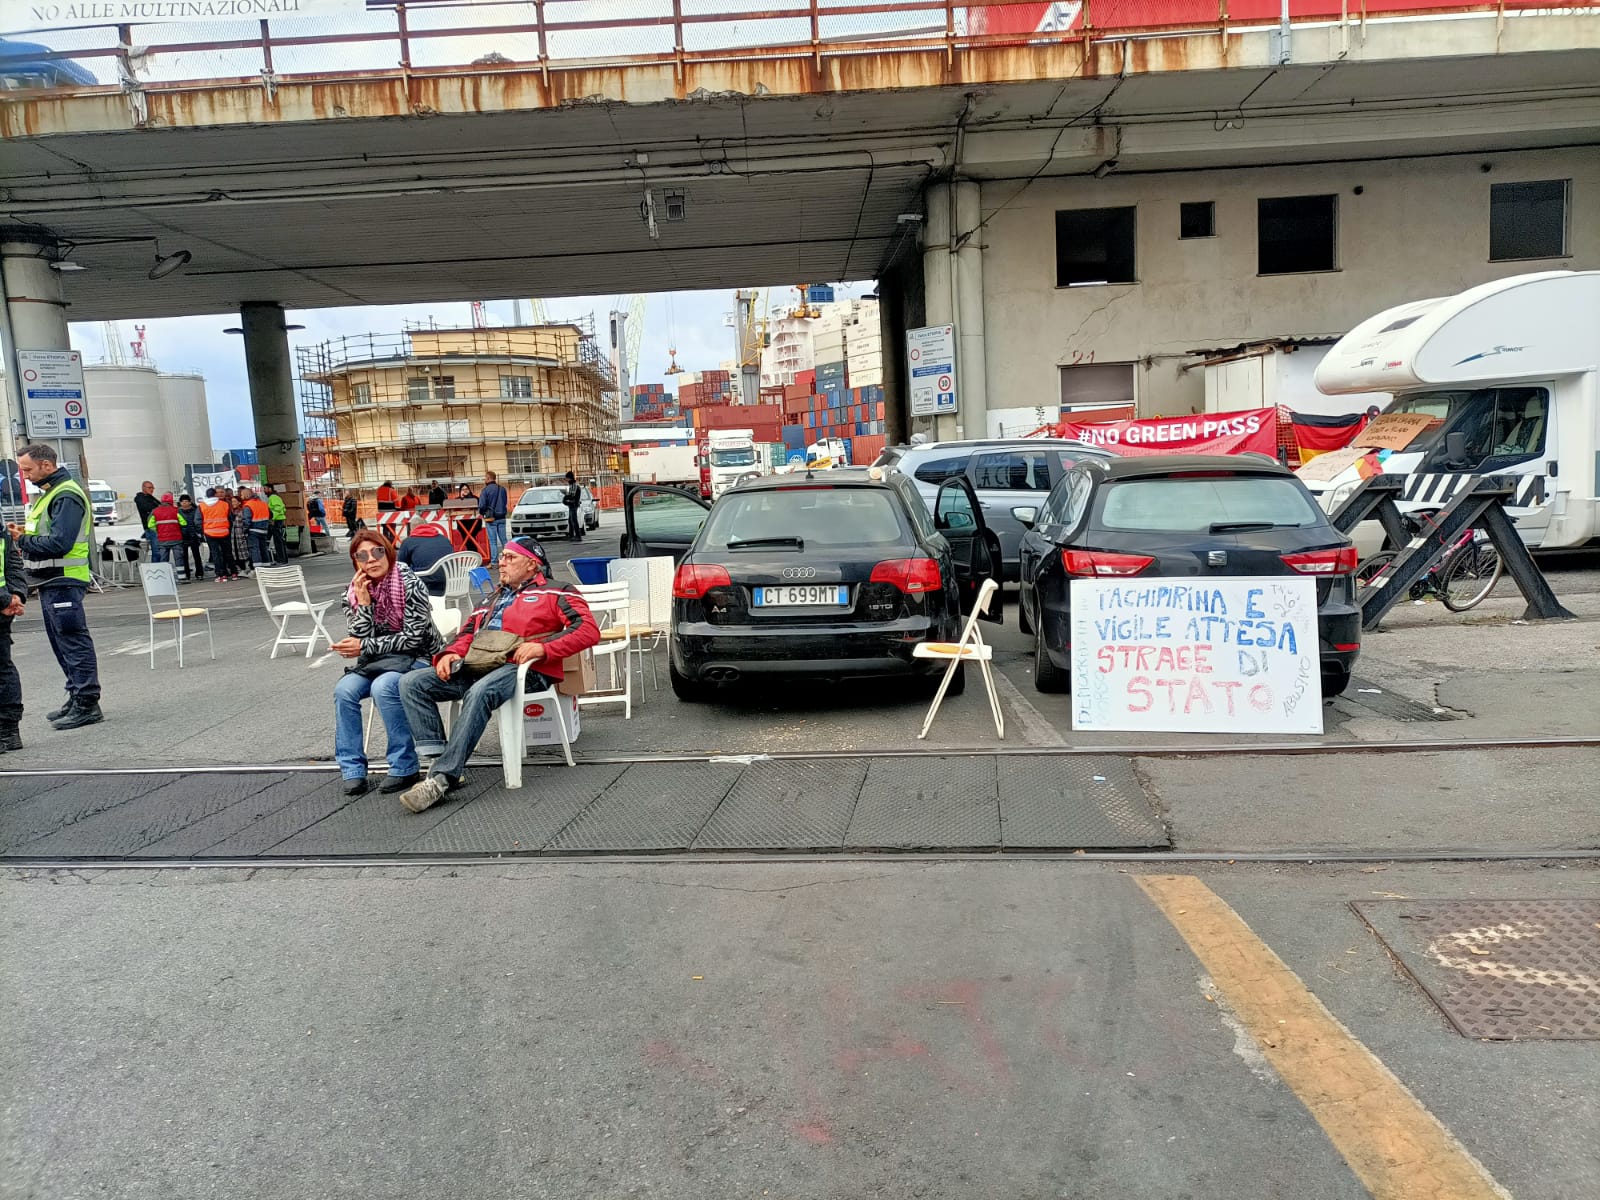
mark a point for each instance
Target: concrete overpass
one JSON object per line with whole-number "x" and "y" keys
{"x": 767, "y": 161}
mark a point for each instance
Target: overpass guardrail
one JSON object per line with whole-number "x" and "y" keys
{"x": 61, "y": 46}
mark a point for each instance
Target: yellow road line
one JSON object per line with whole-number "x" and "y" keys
{"x": 1397, "y": 1148}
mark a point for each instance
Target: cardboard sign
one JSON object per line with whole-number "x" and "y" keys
{"x": 1196, "y": 655}
{"x": 1393, "y": 431}
{"x": 1329, "y": 466}
{"x": 1254, "y": 430}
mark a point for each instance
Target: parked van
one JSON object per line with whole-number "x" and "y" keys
{"x": 103, "y": 499}
{"x": 1507, "y": 373}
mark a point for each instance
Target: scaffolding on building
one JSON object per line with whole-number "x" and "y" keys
{"x": 443, "y": 405}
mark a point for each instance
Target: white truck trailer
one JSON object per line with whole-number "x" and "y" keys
{"x": 1506, "y": 373}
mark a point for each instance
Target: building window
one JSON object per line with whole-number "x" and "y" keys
{"x": 360, "y": 393}
{"x": 1528, "y": 220}
{"x": 444, "y": 387}
{"x": 522, "y": 462}
{"x": 1197, "y": 219}
{"x": 1094, "y": 245}
{"x": 516, "y": 387}
{"x": 1296, "y": 234}
{"x": 1097, "y": 385}
{"x": 417, "y": 389}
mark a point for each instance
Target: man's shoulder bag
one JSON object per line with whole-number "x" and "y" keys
{"x": 489, "y": 650}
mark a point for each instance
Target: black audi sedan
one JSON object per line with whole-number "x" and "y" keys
{"x": 1181, "y": 516}
{"x": 827, "y": 575}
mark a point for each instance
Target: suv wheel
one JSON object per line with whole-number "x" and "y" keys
{"x": 1047, "y": 677}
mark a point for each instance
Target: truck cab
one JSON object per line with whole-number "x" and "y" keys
{"x": 103, "y": 500}
{"x": 1506, "y": 375}
{"x": 731, "y": 457}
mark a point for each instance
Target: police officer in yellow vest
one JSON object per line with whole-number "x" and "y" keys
{"x": 12, "y": 594}
{"x": 55, "y": 543}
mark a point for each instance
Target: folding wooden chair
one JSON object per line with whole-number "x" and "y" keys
{"x": 971, "y": 648}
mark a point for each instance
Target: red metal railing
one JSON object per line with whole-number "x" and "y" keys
{"x": 475, "y": 36}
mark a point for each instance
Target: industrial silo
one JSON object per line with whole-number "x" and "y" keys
{"x": 183, "y": 399}
{"x": 128, "y": 428}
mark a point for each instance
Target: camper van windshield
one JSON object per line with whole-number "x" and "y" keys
{"x": 1496, "y": 421}
{"x": 102, "y": 496}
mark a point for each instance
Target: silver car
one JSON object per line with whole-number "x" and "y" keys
{"x": 1006, "y": 473}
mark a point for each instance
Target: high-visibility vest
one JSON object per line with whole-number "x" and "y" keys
{"x": 168, "y": 529}
{"x": 260, "y": 514}
{"x": 4, "y": 592}
{"x": 76, "y": 564}
{"x": 214, "y": 519}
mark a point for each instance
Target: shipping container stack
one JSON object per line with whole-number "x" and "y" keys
{"x": 651, "y": 402}
{"x": 820, "y": 405}
{"x": 704, "y": 389}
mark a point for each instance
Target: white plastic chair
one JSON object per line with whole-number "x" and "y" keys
{"x": 612, "y": 608}
{"x": 159, "y": 581}
{"x": 291, "y": 579}
{"x": 972, "y": 648}
{"x": 649, "y": 604}
{"x": 513, "y": 745}
{"x": 457, "y": 571}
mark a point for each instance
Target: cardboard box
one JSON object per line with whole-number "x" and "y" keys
{"x": 539, "y": 721}
{"x": 579, "y": 679}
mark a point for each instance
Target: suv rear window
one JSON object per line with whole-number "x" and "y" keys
{"x": 937, "y": 470}
{"x": 843, "y": 516}
{"x": 1193, "y": 505}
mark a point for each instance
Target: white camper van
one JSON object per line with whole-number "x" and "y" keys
{"x": 1507, "y": 372}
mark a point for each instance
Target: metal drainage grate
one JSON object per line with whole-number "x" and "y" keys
{"x": 1368, "y": 695}
{"x": 1500, "y": 969}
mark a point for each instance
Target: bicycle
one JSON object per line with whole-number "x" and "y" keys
{"x": 1461, "y": 579}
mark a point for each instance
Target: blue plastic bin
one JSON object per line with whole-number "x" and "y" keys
{"x": 591, "y": 570}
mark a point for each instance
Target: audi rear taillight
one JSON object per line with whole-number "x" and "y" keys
{"x": 910, "y": 575}
{"x": 1101, "y": 564}
{"x": 693, "y": 582}
{"x": 1338, "y": 561}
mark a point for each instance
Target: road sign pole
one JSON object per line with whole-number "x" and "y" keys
{"x": 36, "y": 319}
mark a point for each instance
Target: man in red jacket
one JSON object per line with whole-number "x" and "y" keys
{"x": 554, "y": 624}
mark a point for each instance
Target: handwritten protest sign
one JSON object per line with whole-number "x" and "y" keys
{"x": 1325, "y": 468}
{"x": 1213, "y": 655}
{"x": 1393, "y": 431}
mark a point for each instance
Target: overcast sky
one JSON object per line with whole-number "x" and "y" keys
{"x": 690, "y": 321}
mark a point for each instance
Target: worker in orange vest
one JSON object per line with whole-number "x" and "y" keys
{"x": 388, "y": 498}
{"x": 216, "y": 522}
{"x": 260, "y": 525}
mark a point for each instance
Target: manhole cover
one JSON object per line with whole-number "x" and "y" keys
{"x": 1500, "y": 969}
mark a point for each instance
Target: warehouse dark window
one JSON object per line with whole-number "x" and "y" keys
{"x": 1528, "y": 220}
{"x": 1094, "y": 245}
{"x": 1197, "y": 219}
{"x": 1295, "y": 234}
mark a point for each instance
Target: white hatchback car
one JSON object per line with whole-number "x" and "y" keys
{"x": 541, "y": 512}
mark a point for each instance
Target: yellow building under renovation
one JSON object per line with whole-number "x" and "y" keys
{"x": 446, "y": 405}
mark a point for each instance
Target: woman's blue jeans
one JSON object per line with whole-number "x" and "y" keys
{"x": 348, "y": 748}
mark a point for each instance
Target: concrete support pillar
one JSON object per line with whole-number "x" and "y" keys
{"x": 971, "y": 357}
{"x": 34, "y": 318}
{"x": 938, "y": 283}
{"x": 266, "y": 362}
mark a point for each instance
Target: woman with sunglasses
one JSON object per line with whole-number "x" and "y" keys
{"x": 391, "y": 631}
